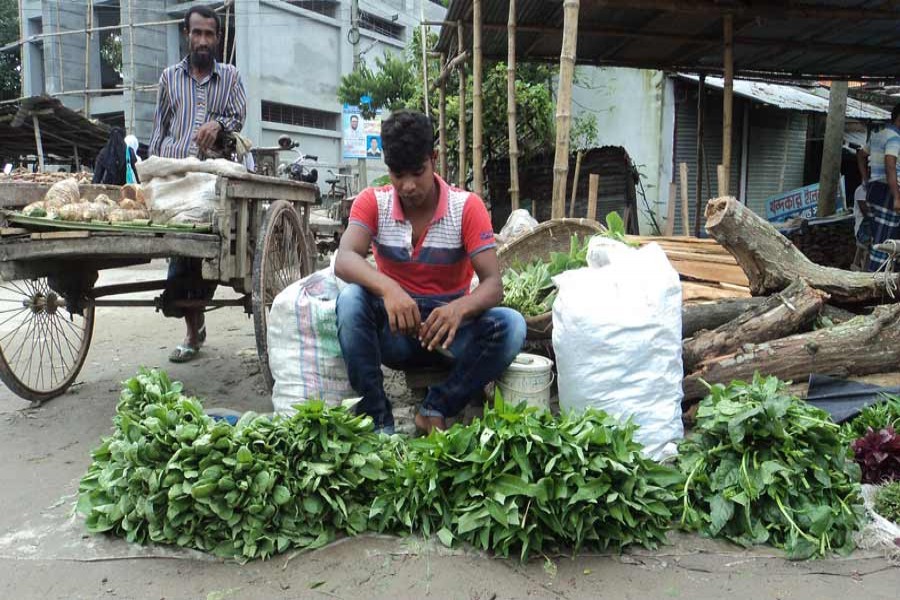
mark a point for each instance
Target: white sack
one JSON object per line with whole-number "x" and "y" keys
{"x": 617, "y": 339}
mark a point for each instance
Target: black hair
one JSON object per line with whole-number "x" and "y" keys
{"x": 895, "y": 113}
{"x": 204, "y": 11}
{"x": 407, "y": 140}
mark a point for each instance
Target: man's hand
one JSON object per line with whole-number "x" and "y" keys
{"x": 207, "y": 135}
{"x": 441, "y": 326}
{"x": 402, "y": 312}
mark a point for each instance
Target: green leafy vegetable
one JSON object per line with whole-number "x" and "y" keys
{"x": 765, "y": 467}
{"x": 521, "y": 481}
{"x": 170, "y": 474}
{"x": 881, "y": 415}
{"x": 887, "y": 502}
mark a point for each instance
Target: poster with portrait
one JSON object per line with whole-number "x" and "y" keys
{"x": 361, "y": 136}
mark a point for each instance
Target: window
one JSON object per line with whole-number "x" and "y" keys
{"x": 298, "y": 116}
{"x": 323, "y": 7}
{"x": 384, "y": 27}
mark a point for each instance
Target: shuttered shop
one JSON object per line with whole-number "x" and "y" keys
{"x": 686, "y": 145}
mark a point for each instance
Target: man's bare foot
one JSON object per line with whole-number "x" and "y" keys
{"x": 427, "y": 424}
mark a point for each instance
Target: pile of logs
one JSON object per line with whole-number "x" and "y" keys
{"x": 804, "y": 318}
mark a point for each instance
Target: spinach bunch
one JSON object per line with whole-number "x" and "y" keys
{"x": 887, "y": 502}
{"x": 765, "y": 467}
{"x": 170, "y": 474}
{"x": 522, "y": 481}
{"x": 881, "y": 415}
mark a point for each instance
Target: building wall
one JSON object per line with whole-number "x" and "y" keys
{"x": 151, "y": 55}
{"x": 634, "y": 110}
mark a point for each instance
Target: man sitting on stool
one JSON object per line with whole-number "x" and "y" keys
{"x": 415, "y": 311}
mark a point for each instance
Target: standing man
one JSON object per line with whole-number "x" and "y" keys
{"x": 883, "y": 196}
{"x": 199, "y": 101}
{"x": 415, "y": 309}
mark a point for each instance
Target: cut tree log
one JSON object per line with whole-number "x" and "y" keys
{"x": 772, "y": 262}
{"x": 782, "y": 314}
{"x": 864, "y": 345}
{"x": 709, "y": 315}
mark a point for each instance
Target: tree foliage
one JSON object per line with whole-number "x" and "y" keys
{"x": 9, "y": 61}
{"x": 396, "y": 81}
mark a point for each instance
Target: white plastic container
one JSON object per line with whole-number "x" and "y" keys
{"x": 528, "y": 379}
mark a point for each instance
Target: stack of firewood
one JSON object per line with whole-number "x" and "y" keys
{"x": 804, "y": 318}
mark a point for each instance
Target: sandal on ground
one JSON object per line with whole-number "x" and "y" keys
{"x": 183, "y": 354}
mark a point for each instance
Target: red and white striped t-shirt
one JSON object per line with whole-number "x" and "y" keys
{"x": 440, "y": 265}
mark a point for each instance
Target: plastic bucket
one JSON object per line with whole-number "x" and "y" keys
{"x": 528, "y": 379}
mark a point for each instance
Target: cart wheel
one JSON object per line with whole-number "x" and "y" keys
{"x": 281, "y": 258}
{"x": 42, "y": 344}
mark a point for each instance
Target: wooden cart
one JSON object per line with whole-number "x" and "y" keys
{"x": 258, "y": 243}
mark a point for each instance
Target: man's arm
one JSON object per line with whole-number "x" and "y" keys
{"x": 163, "y": 117}
{"x": 236, "y": 108}
{"x": 862, "y": 163}
{"x": 351, "y": 266}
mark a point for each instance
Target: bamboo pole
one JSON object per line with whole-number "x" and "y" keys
{"x": 578, "y": 158}
{"x": 685, "y": 218}
{"x": 423, "y": 38}
{"x": 38, "y": 143}
{"x": 442, "y": 126}
{"x": 670, "y": 211}
{"x": 225, "y": 44}
{"x": 89, "y": 20}
{"x": 463, "y": 139}
{"x": 62, "y": 79}
{"x": 511, "y": 108}
{"x": 132, "y": 75}
{"x": 593, "y": 192}
{"x": 698, "y": 208}
{"x": 448, "y": 68}
{"x": 728, "y": 102}
{"x": 564, "y": 106}
{"x": 721, "y": 172}
{"x": 830, "y": 177}
{"x": 21, "y": 8}
{"x": 477, "y": 107}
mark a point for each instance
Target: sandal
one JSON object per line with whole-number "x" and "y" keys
{"x": 183, "y": 354}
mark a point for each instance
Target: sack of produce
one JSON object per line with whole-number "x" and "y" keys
{"x": 84, "y": 212}
{"x": 106, "y": 201}
{"x": 133, "y": 194}
{"x": 617, "y": 338}
{"x": 122, "y": 215}
{"x": 182, "y": 199}
{"x": 62, "y": 193}
{"x": 304, "y": 353}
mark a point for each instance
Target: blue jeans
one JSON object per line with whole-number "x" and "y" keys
{"x": 483, "y": 349}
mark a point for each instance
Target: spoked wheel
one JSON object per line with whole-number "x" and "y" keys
{"x": 281, "y": 258}
{"x": 42, "y": 344}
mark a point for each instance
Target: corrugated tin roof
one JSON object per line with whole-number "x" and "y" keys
{"x": 793, "y": 98}
{"x": 798, "y": 39}
{"x": 62, "y": 129}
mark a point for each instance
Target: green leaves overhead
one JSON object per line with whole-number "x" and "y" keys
{"x": 765, "y": 467}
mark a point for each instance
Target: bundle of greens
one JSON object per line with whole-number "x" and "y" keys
{"x": 522, "y": 481}
{"x": 765, "y": 467}
{"x": 887, "y": 502}
{"x": 529, "y": 288}
{"x": 881, "y": 415}
{"x": 170, "y": 474}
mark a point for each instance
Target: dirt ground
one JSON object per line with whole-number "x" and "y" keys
{"x": 45, "y": 553}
